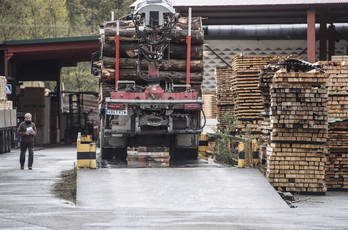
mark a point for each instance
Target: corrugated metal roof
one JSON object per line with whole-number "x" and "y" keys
{"x": 253, "y": 2}
{"x": 249, "y": 12}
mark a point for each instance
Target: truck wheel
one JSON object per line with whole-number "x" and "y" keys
{"x": 8, "y": 141}
{"x": 107, "y": 153}
{"x": 120, "y": 154}
{"x": 174, "y": 152}
{"x": 191, "y": 154}
{"x": 2, "y": 142}
{"x": 182, "y": 153}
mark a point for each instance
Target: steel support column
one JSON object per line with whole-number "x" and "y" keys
{"x": 311, "y": 35}
{"x": 323, "y": 40}
{"x": 332, "y": 41}
{"x": 8, "y": 56}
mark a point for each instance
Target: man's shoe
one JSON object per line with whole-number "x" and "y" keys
{"x": 30, "y": 168}
{"x": 22, "y": 168}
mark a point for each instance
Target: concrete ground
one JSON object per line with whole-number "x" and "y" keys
{"x": 204, "y": 197}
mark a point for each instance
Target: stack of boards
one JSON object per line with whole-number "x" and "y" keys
{"x": 301, "y": 118}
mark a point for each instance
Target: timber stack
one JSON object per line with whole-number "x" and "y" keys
{"x": 224, "y": 100}
{"x": 266, "y": 79}
{"x": 297, "y": 151}
{"x": 209, "y": 106}
{"x": 248, "y": 103}
{"x": 176, "y": 53}
{"x": 337, "y": 158}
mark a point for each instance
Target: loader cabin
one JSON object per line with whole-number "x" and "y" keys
{"x": 322, "y": 21}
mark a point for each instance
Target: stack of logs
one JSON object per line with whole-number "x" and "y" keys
{"x": 337, "y": 159}
{"x": 175, "y": 68}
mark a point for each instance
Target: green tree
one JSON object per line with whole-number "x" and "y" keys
{"x": 224, "y": 151}
{"x": 93, "y": 13}
{"x": 79, "y": 78}
{"x": 32, "y": 19}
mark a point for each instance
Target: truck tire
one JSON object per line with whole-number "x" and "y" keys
{"x": 120, "y": 154}
{"x": 174, "y": 152}
{"x": 2, "y": 142}
{"x": 106, "y": 153}
{"x": 8, "y": 142}
{"x": 191, "y": 154}
{"x": 182, "y": 153}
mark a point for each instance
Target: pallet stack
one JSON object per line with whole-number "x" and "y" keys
{"x": 337, "y": 159}
{"x": 297, "y": 152}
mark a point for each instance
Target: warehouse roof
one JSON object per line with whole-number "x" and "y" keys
{"x": 244, "y": 12}
{"x": 253, "y": 2}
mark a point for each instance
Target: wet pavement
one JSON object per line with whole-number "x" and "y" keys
{"x": 152, "y": 193}
{"x": 158, "y": 160}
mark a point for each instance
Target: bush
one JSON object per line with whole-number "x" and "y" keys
{"x": 224, "y": 151}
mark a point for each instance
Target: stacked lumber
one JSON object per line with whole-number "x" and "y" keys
{"x": 209, "y": 106}
{"x": 174, "y": 61}
{"x": 224, "y": 99}
{"x": 3, "y": 83}
{"x": 337, "y": 158}
{"x": 339, "y": 58}
{"x": 246, "y": 93}
{"x": 4, "y": 103}
{"x": 337, "y": 88}
{"x": 297, "y": 152}
{"x": 266, "y": 78}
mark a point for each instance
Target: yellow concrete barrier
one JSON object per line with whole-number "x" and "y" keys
{"x": 255, "y": 149}
{"x": 241, "y": 155}
{"x": 203, "y": 145}
{"x": 86, "y": 152}
{"x": 248, "y": 154}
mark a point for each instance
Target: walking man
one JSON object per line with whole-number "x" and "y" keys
{"x": 27, "y": 131}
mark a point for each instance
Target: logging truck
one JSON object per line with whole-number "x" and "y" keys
{"x": 150, "y": 69}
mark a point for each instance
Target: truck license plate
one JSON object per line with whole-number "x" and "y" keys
{"x": 116, "y": 112}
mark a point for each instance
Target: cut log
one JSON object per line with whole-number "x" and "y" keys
{"x": 108, "y": 75}
{"x": 196, "y": 23}
{"x": 177, "y": 36}
{"x": 129, "y": 50}
{"x": 173, "y": 65}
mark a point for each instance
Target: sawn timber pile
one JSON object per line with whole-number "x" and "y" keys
{"x": 296, "y": 154}
{"x": 304, "y": 130}
{"x": 238, "y": 92}
{"x": 337, "y": 158}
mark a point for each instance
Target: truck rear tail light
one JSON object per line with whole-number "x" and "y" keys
{"x": 192, "y": 106}
{"x": 115, "y": 106}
